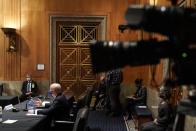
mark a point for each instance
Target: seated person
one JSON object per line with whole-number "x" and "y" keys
{"x": 139, "y": 97}
{"x": 101, "y": 92}
{"x": 59, "y": 109}
{"x": 164, "y": 114}
{"x": 29, "y": 88}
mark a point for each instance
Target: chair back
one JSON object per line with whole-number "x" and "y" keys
{"x": 70, "y": 100}
{"x": 81, "y": 120}
{"x": 83, "y": 101}
{"x": 89, "y": 96}
{"x": 1, "y": 89}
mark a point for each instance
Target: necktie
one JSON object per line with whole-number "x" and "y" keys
{"x": 28, "y": 86}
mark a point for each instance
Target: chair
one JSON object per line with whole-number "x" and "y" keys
{"x": 1, "y": 89}
{"x": 143, "y": 115}
{"x": 83, "y": 101}
{"x": 71, "y": 101}
{"x": 81, "y": 120}
{"x": 89, "y": 96}
{"x": 80, "y": 123}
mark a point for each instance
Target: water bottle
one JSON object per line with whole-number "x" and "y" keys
{"x": 1, "y": 119}
{"x": 31, "y": 105}
{"x": 49, "y": 93}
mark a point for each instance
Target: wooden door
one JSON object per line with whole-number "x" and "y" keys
{"x": 74, "y": 70}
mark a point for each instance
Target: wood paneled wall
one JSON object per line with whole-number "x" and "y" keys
{"x": 9, "y": 62}
{"x": 31, "y": 19}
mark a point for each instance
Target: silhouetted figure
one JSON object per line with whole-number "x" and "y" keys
{"x": 139, "y": 97}
{"x": 114, "y": 78}
{"x": 164, "y": 114}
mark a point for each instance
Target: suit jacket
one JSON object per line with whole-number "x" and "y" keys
{"x": 140, "y": 95}
{"x": 114, "y": 77}
{"x": 58, "y": 110}
{"x": 34, "y": 88}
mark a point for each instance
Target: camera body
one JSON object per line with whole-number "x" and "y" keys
{"x": 178, "y": 24}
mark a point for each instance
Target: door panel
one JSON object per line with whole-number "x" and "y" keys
{"x": 74, "y": 69}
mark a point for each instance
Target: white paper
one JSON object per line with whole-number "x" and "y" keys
{"x": 154, "y": 107}
{"x": 10, "y": 121}
{"x": 35, "y": 114}
{"x": 45, "y": 102}
{"x": 142, "y": 106}
{"x": 8, "y": 107}
{"x": 29, "y": 114}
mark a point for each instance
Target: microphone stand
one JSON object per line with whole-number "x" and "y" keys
{"x": 26, "y": 105}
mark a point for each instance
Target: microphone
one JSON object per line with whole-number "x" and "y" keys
{"x": 26, "y": 106}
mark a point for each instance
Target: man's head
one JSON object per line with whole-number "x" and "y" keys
{"x": 164, "y": 93}
{"x": 138, "y": 82}
{"x": 28, "y": 77}
{"x": 55, "y": 89}
{"x": 102, "y": 78}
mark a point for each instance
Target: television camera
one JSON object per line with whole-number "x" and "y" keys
{"x": 178, "y": 24}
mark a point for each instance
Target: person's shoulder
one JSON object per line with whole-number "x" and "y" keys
{"x": 58, "y": 98}
{"x": 24, "y": 82}
{"x": 61, "y": 97}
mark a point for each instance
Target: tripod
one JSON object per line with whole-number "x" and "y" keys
{"x": 130, "y": 117}
{"x": 129, "y": 110}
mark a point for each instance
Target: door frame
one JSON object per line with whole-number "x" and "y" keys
{"x": 78, "y": 18}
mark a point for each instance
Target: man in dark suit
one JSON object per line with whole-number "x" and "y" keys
{"x": 29, "y": 88}
{"x": 139, "y": 97}
{"x": 114, "y": 79}
{"x": 59, "y": 109}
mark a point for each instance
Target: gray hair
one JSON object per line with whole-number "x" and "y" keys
{"x": 56, "y": 87}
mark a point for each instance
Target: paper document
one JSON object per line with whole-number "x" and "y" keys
{"x": 10, "y": 121}
{"x": 8, "y": 107}
{"x": 155, "y": 107}
{"x": 28, "y": 114}
{"x": 142, "y": 106}
{"x": 44, "y": 103}
{"x": 35, "y": 114}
